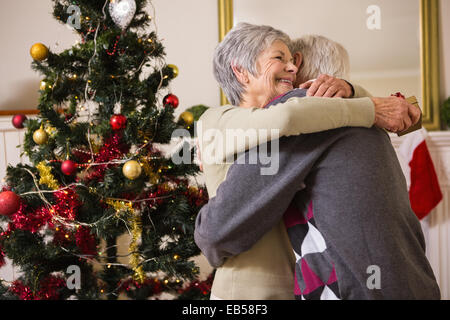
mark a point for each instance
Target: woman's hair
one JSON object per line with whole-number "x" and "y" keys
{"x": 321, "y": 56}
{"x": 240, "y": 48}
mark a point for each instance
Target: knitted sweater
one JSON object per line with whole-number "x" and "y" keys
{"x": 254, "y": 274}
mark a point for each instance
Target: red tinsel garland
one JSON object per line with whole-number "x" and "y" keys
{"x": 67, "y": 204}
{"x": 62, "y": 237}
{"x": 86, "y": 241}
{"x": 33, "y": 220}
{"x": 49, "y": 289}
{"x": 154, "y": 284}
{"x": 112, "y": 149}
{"x": 203, "y": 286}
{"x": 30, "y": 219}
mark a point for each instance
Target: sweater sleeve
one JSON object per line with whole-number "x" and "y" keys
{"x": 360, "y": 92}
{"x": 236, "y": 129}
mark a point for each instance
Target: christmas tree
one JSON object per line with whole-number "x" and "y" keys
{"x": 97, "y": 172}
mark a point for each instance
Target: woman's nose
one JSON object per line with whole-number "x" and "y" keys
{"x": 291, "y": 67}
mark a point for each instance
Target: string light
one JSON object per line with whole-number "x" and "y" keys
{"x": 114, "y": 47}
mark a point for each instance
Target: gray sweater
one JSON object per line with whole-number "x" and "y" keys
{"x": 361, "y": 208}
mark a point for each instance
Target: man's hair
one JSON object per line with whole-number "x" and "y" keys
{"x": 321, "y": 56}
{"x": 241, "y": 48}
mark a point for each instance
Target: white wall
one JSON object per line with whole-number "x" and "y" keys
{"x": 189, "y": 30}
{"x": 445, "y": 48}
{"x": 24, "y": 23}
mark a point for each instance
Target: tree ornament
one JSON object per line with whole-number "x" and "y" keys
{"x": 118, "y": 122}
{"x": 42, "y": 85}
{"x": 122, "y": 12}
{"x": 39, "y": 52}
{"x": 69, "y": 167}
{"x": 40, "y": 136}
{"x": 171, "y": 100}
{"x": 18, "y": 120}
{"x": 9, "y": 203}
{"x": 133, "y": 249}
{"x": 47, "y": 178}
{"x": 132, "y": 169}
{"x": 174, "y": 69}
{"x": 187, "y": 117}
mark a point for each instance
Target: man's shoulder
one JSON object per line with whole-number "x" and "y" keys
{"x": 295, "y": 93}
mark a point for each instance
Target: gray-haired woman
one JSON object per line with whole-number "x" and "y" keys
{"x": 254, "y": 66}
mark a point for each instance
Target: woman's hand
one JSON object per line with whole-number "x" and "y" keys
{"x": 328, "y": 87}
{"x": 395, "y": 114}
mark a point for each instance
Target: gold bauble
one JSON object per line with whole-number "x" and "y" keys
{"x": 174, "y": 69}
{"x": 187, "y": 117}
{"x": 40, "y": 136}
{"x": 132, "y": 169}
{"x": 43, "y": 85}
{"x": 39, "y": 52}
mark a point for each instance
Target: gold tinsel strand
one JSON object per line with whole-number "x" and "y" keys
{"x": 149, "y": 171}
{"x": 51, "y": 131}
{"x": 120, "y": 205}
{"x": 136, "y": 232}
{"x": 46, "y": 175}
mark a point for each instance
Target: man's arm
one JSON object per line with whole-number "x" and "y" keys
{"x": 247, "y": 204}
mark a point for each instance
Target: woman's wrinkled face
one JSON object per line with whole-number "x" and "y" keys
{"x": 276, "y": 74}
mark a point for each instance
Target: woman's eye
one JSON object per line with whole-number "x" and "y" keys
{"x": 279, "y": 58}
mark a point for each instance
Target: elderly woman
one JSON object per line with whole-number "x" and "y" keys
{"x": 254, "y": 66}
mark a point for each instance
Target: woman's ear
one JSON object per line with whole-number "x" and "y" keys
{"x": 241, "y": 74}
{"x": 298, "y": 59}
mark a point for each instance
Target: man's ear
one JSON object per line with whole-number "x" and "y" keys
{"x": 298, "y": 59}
{"x": 241, "y": 74}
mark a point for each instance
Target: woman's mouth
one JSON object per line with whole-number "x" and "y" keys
{"x": 287, "y": 82}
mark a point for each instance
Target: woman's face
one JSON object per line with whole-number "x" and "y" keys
{"x": 276, "y": 74}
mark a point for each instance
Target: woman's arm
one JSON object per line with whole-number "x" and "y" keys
{"x": 294, "y": 117}
{"x": 360, "y": 92}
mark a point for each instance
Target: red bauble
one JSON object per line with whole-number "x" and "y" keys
{"x": 171, "y": 100}
{"x": 118, "y": 122}
{"x": 69, "y": 167}
{"x": 18, "y": 121}
{"x": 9, "y": 203}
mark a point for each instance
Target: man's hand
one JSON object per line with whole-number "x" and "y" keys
{"x": 395, "y": 114}
{"x": 328, "y": 87}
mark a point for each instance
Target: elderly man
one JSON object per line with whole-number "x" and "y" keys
{"x": 225, "y": 228}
